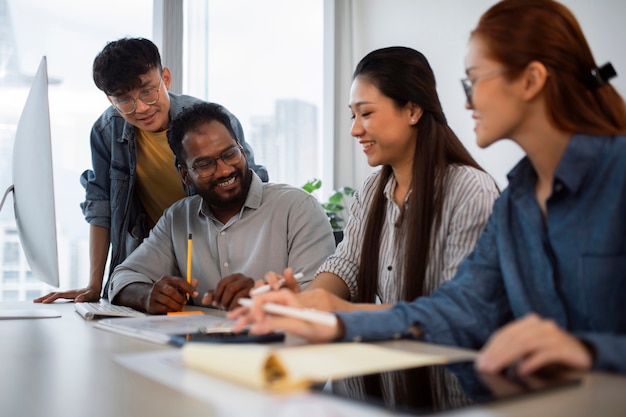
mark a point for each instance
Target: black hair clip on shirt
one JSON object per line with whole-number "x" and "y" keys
{"x": 602, "y": 75}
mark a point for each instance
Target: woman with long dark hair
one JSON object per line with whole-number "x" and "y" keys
{"x": 414, "y": 220}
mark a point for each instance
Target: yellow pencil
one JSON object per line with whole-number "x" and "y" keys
{"x": 189, "y": 250}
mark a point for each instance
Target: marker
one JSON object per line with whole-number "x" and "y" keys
{"x": 189, "y": 250}
{"x": 265, "y": 288}
{"x": 310, "y": 315}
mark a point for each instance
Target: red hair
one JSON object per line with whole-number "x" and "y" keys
{"x": 518, "y": 32}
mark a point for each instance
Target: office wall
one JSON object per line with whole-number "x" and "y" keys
{"x": 440, "y": 30}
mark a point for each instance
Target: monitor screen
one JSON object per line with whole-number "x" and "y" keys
{"x": 33, "y": 189}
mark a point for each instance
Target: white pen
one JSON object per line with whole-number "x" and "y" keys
{"x": 306, "y": 314}
{"x": 265, "y": 288}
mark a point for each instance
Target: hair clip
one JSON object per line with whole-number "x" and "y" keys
{"x": 601, "y": 75}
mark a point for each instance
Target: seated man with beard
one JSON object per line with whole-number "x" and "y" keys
{"x": 240, "y": 227}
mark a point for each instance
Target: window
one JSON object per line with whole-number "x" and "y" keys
{"x": 263, "y": 61}
{"x": 69, "y": 34}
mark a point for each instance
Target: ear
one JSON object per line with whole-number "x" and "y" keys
{"x": 167, "y": 77}
{"x": 415, "y": 113}
{"x": 535, "y": 77}
{"x": 184, "y": 174}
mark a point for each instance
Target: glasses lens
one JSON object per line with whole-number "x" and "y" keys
{"x": 467, "y": 87}
{"x": 207, "y": 167}
{"x": 125, "y": 104}
{"x": 232, "y": 156}
{"x": 149, "y": 96}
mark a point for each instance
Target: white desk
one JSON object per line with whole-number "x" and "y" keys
{"x": 65, "y": 367}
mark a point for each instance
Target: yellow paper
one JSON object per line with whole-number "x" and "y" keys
{"x": 296, "y": 367}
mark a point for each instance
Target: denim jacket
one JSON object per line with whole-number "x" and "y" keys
{"x": 110, "y": 198}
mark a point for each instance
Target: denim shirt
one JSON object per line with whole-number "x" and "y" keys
{"x": 110, "y": 198}
{"x": 570, "y": 267}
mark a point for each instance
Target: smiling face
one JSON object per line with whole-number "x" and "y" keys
{"x": 225, "y": 191}
{"x": 498, "y": 105}
{"x": 150, "y": 117}
{"x": 387, "y": 133}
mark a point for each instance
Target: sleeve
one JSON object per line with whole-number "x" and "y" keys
{"x": 345, "y": 261}
{"x": 96, "y": 207}
{"x": 472, "y": 198}
{"x": 260, "y": 170}
{"x": 310, "y": 237}
{"x": 463, "y": 312}
{"x": 609, "y": 350}
{"x": 154, "y": 258}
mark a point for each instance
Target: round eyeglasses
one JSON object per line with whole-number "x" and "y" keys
{"x": 128, "y": 104}
{"x": 208, "y": 166}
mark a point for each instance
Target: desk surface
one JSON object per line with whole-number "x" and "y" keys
{"x": 66, "y": 367}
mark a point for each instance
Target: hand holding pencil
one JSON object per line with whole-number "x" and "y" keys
{"x": 273, "y": 281}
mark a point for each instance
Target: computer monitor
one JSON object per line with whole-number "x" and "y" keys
{"x": 33, "y": 186}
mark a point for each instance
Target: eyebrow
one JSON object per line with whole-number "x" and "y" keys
{"x": 359, "y": 104}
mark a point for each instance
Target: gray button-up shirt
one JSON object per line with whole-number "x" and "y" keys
{"x": 279, "y": 226}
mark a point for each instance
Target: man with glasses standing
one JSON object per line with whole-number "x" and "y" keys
{"x": 134, "y": 176}
{"x": 240, "y": 227}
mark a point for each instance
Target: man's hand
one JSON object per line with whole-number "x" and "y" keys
{"x": 531, "y": 343}
{"x": 81, "y": 295}
{"x": 229, "y": 291}
{"x": 169, "y": 294}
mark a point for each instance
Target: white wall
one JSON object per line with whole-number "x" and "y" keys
{"x": 440, "y": 30}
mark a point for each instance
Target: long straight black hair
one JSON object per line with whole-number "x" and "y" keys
{"x": 405, "y": 76}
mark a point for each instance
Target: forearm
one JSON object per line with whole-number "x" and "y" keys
{"x": 134, "y": 295}
{"x": 99, "y": 241}
{"x": 331, "y": 283}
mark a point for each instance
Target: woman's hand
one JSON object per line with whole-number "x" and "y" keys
{"x": 531, "y": 343}
{"x": 261, "y": 322}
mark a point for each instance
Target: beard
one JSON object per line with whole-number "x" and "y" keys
{"x": 215, "y": 197}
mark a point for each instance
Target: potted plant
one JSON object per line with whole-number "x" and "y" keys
{"x": 336, "y": 207}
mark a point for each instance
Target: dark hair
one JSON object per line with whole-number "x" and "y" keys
{"x": 117, "y": 68}
{"x": 518, "y": 32}
{"x": 191, "y": 119}
{"x": 404, "y": 75}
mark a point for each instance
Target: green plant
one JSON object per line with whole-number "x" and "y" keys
{"x": 336, "y": 206}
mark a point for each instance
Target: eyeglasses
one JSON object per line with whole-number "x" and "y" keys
{"x": 207, "y": 166}
{"x": 469, "y": 83}
{"x": 128, "y": 104}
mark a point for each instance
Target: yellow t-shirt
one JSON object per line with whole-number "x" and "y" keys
{"x": 158, "y": 183}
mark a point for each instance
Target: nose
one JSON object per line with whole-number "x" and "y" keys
{"x": 140, "y": 106}
{"x": 222, "y": 167}
{"x": 357, "y": 128}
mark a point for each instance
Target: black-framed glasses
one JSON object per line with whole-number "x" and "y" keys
{"x": 128, "y": 104}
{"x": 208, "y": 166}
{"x": 469, "y": 83}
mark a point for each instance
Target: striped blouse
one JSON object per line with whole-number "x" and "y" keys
{"x": 466, "y": 207}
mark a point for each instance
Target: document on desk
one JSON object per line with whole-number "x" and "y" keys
{"x": 297, "y": 367}
{"x": 160, "y": 329}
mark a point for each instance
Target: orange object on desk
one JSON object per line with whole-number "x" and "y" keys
{"x": 182, "y": 313}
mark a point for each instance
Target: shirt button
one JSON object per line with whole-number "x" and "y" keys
{"x": 389, "y": 268}
{"x": 225, "y": 264}
{"x": 558, "y": 187}
{"x": 223, "y": 233}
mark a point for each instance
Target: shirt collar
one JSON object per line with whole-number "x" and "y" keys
{"x": 578, "y": 158}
